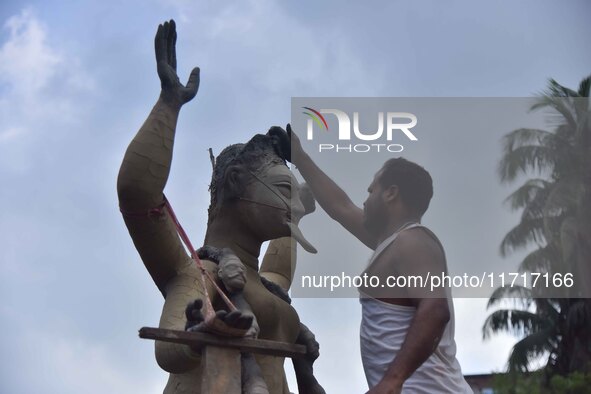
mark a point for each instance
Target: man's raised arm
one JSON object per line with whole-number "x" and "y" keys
{"x": 329, "y": 195}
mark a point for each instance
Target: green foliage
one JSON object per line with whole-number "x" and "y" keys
{"x": 518, "y": 383}
{"x": 536, "y": 383}
{"x": 575, "y": 383}
{"x": 555, "y": 205}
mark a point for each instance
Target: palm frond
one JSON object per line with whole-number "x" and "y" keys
{"x": 523, "y": 137}
{"x": 526, "y": 193}
{"x": 568, "y": 238}
{"x": 549, "y": 309}
{"x": 578, "y": 317}
{"x": 584, "y": 87}
{"x": 562, "y": 197}
{"x": 525, "y": 159}
{"x": 536, "y": 207}
{"x": 526, "y": 232}
{"x": 540, "y": 260}
{"x": 558, "y": 104}
{"x": 530, "y": 348}
{"x": 519, "y": 294}
{"x": 557, "y": 90}
{"x": 514, "y": 321}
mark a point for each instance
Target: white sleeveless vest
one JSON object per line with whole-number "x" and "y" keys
{"x": 383, "y": 330}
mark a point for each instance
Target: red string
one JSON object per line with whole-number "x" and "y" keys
{"x": 195, "y": 257}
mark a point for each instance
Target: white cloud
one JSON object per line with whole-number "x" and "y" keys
{"x": 10, "y": 133}
{"x": 27, "y": 62}
{"x": 274, "y": 52}
{"x": 40, "y": 86}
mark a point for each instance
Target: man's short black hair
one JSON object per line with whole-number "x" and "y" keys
{"x": 414, "y": 183}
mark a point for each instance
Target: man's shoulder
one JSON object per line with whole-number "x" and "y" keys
{"x": 410, "y": 246}
{"x": 414, "y": 249}
{"x": 417, "y": 238}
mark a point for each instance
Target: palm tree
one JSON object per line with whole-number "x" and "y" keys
{"x": 555, "y": 209}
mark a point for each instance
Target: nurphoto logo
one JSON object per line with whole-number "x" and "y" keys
{"x": 396, "y": 123}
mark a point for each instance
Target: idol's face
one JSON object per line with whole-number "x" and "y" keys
{"x": 272, "y": 202}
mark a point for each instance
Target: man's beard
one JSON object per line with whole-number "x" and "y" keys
{"x": 375, "y": 220}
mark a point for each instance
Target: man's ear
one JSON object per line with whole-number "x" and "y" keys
{"x": 391, "y": 193}
{"x": 235, "y": 179}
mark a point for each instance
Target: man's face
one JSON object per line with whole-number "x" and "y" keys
{"x": 374, "y": 207}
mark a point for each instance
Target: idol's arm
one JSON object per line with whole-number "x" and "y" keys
{"x": 142, "y": 178}
{"x": 146, "y": 166}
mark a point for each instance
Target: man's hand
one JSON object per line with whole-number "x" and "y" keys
{"x": 173, "y": 91}
{"x": 307, "y": 198}
{"x": 386, "y": 387}
{"x": 297, "y": 151}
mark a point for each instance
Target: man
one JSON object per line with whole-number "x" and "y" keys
{"x": 407, "y": 335}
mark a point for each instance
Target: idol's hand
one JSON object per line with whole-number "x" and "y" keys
{"x": 235, "y": 319}
{"x": 173, "y": 91}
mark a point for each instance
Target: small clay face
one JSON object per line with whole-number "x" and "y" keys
{"x": 232, "y": 273}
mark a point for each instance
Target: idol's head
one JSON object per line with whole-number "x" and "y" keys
{"x": 252, "y": 184}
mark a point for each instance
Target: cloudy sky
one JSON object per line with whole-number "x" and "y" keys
{"x": 77, "y": 79}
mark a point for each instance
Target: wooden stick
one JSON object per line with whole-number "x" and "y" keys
{"x": 200, "y": 340}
